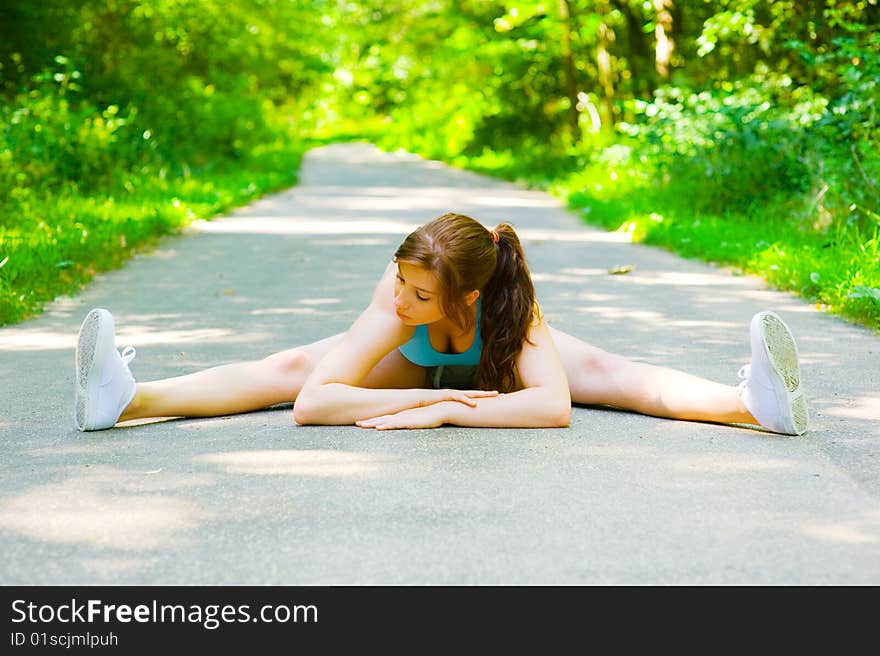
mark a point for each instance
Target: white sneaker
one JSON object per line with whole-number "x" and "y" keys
{"x": 772, "y": 390}
{"x": 104, "y": 384}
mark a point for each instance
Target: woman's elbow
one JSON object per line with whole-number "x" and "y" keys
{"x": 305, "y": 411}
{"x": 561, "y": 416}
{"x": 300, "y": 414}
{"x": 322, "y": 405}
{"x": 559, "y": 411}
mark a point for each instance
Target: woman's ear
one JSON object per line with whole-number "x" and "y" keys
{"x": 472, "y": 297}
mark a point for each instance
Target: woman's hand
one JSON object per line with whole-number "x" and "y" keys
{"x": 429, "y": 413}
{"x": 468, "y": 397}
{"x": 429, "y": 416}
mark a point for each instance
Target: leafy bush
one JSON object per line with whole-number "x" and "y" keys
{"x": 51, "y": 137}
{"x": 738, "y": 148}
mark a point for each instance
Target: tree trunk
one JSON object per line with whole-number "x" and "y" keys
{"x": 565, "y": 14}
{"x": 606, "y": 74}
{"x": 663, "y": 35}
{"x": 639, "y": 51}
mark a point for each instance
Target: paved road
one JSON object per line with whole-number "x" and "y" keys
{"x": 253, "y": 499}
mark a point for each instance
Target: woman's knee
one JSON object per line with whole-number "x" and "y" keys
{"x": 598, "y": 363}
{"x": 290, "y": 363}
{"x": 285, "y": 373}
{"x": 597, "y": 377}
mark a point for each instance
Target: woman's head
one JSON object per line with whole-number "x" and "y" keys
{"x": 446, "y": 264}
{"x": 441, "y": 268}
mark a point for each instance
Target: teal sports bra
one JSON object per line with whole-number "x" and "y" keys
{"x": 418, "y": 349}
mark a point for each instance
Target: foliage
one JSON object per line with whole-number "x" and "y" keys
{"x": 756, "y": 129}
{"x": 767, "y": 126}
{"x": 127, "y": 119}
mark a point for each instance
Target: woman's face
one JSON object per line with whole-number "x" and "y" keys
{"x": 416, "y": 295}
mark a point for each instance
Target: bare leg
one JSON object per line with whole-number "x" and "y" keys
{"x": 597, "y": 377}
{"x": 247, "y": 386}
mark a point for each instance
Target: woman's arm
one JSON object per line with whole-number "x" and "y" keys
{"x": 331, "y": 395}
{"x": 544, "y": 401}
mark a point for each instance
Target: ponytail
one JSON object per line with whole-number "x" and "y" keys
{"x": 509, "y": 308}
{"x": 464, "y": 256}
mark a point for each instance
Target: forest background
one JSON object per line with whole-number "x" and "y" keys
{"x": 742, "y": 132}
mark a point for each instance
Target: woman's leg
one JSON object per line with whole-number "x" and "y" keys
{"x": 597, "y": 377}
{"x": 247, "y": 386}
{"x": 231, "y": 388}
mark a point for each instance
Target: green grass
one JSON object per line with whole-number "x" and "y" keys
{"x": 53, "y": 243}
{"x": 838, "y": 272}
{"x": 835, "y": 266}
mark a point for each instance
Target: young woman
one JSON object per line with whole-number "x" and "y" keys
{"x": 453, "y": 335}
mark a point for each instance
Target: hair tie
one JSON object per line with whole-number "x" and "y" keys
{"x": 495, "y": 236}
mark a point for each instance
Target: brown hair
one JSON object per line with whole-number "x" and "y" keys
{"x": 464, "y": 256}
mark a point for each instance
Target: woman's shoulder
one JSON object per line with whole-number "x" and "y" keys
{"x": 537, "y": 329}
{"x": 383, "y": 294}
{"x": 379, "y": 320}
{"x": 537, "y": 315}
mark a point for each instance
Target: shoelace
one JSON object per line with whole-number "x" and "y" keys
{"x": 744, "y": 374}
{"x": 128, "y": 354}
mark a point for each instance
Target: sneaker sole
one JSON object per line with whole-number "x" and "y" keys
{"x": 781, "y": 350}
{"x": 96, "y": 329}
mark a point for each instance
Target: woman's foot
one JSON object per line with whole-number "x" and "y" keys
{"x": 772, "y": 390}
{"x": 104, "y": 384}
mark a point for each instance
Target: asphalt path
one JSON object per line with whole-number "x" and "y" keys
{"x": 616, "y": 498}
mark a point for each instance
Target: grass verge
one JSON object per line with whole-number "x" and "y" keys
{"x": 53, "y": 244}
{"x": 835, "y": 266}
